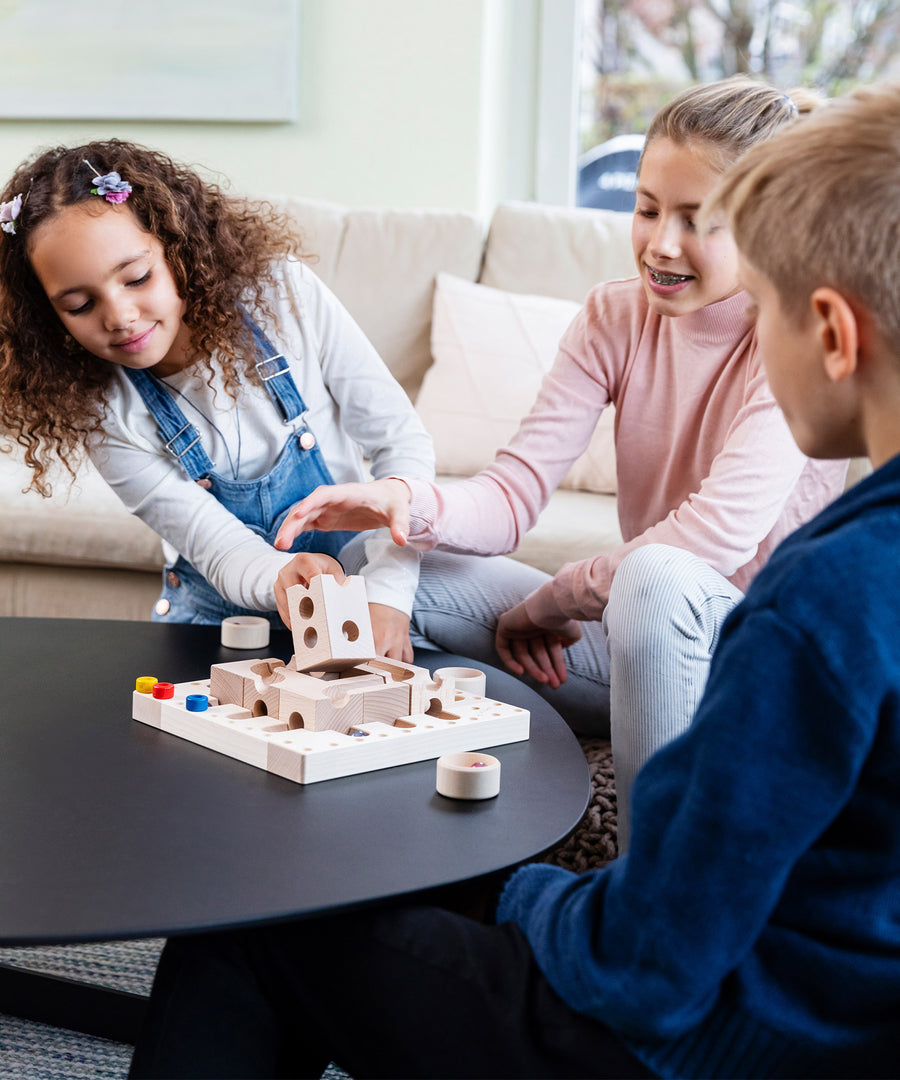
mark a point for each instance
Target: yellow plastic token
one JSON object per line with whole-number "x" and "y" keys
{"x": 145, "y": 684}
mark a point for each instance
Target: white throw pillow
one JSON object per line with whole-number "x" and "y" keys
{"x": 491, "y": 350}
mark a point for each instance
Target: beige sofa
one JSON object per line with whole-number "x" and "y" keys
{"x": 470, "y": 355}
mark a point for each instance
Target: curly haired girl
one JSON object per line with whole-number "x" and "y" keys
{"x": 174, "y": 333}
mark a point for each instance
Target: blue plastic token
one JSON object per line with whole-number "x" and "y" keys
{"x": 196, "y": 703}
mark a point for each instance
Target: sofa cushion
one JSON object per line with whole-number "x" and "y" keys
{"x": 382, "y": 265}
{"x": 555, "y": 250}
{"x": 491, "y": 350}
{"x": 82, "y": 524}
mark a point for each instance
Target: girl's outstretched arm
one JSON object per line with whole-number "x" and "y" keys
{"x": 355, "y": 507}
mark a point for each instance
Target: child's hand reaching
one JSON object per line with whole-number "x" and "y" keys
{"x": 350, "y": 506}
{"x": 390, "y": 629}
{"x": 529, "y": 649}
{"x": 299, "y": 571}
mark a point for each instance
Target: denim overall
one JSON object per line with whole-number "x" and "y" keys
{"x": 260, "y": 504}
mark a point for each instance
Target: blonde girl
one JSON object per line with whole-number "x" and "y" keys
{"x": 709, "y": 478}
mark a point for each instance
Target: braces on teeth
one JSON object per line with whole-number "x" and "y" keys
{"x": 667, "y": 279}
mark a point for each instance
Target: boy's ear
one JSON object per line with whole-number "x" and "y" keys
{"x": 838, "y": 331}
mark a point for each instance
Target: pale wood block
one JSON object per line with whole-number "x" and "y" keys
{"x": 346, "y": 743}
{"x": 240, "y": 738}
{"x": 261, "y": 700}
{"x": 198, "y": 686}
{"x": 330, "y": 623}
{"x": 146, "y": 708}
{"x": 473, "y": 707}
{"x": 320, "y": 713}
{"x": 227, "y": 680}
{"x": 416, "y": 679}
{"x": 262, "y": 686}
{"x": 305, "y": 701}
{"x": 352, "y": 681}
{"x": 288, "y": 755}
{"x": 231, "y": 712}
{"x": 438, "y": 696}
{"x": 387, "y": 704}
{"x": 388, "y": 746}
{"x": 340, "y": 716}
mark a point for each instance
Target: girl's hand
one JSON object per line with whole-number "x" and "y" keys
{"x": 299, "y": 571}
{"x": 350, "y": 506}
{"x": 390, "y": 628}
{"x": 528, "y": 649}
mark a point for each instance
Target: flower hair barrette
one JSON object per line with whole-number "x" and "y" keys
{"x": 9, "y": 211}
{"x": 111, "y": 186}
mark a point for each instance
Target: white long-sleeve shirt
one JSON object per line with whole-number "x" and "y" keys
{"x": 355, "y": 409}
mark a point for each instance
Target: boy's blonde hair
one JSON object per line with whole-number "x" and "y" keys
{"x": 820, "y": 205}
{"x": 727, "y": 117}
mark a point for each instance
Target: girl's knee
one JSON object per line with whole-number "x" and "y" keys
{"x": 648, "y": 580}
{"x": 658, "y": 589}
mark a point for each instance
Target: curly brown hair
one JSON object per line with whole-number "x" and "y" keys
{"x": 222, "y": 251}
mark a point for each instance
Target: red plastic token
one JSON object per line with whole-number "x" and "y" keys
{"x": 164, "y": 690}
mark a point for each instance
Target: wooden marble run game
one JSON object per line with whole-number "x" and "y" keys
{"x": 335, "y": 708}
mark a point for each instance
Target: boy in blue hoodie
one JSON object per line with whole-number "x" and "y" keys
{"x": 753, "y": 929}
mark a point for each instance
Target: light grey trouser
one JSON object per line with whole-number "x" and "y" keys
{"x": 635, "y": 678}
{"x": 665, "y": 612}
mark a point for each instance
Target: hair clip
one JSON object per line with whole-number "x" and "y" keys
{"x": 9, "y": 211}
{"x": 111, "y": 186}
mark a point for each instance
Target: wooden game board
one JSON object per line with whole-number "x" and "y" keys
{"x": 467, "y": 723}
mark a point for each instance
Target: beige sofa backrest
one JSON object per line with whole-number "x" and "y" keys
{"x": 555, "y": 251}
{"x": 382, "y": 263}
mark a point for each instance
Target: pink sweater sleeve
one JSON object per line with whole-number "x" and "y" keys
{"x": 489, "y": 514}
{"x": 723, "y": 521}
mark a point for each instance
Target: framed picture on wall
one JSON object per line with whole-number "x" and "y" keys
{"x": 208, "y": 60}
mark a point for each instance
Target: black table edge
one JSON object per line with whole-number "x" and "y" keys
{"x": 100, "y": 1011}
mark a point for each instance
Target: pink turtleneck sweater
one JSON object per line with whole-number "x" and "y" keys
{"x": 704, "y": 457}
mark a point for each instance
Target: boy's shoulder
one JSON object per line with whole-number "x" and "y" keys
{"x": 836, "y": 579}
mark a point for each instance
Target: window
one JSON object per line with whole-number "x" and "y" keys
{"x": 636, "y": 54}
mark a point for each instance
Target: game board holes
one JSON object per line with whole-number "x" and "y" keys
{"x": 295, "y": 720}
{"x": 350, "y": 630}
{"x": 259, "y": 709}
{"x": 310, "y": 637}
{"x": 306, "y": 608}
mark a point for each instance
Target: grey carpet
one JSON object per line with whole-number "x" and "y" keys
{"x": 30, "y": 1051}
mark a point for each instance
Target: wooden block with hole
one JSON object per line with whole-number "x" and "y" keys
{"x": 246, "y": 680}
{"x": 333, "y": 701}
{"x": 416, "y": 680}
{"x": 330, "y": 624}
